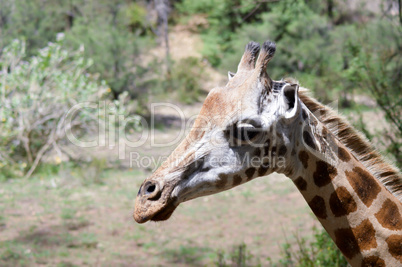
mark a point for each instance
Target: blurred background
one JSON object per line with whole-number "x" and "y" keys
{"x": 68, "y": 205}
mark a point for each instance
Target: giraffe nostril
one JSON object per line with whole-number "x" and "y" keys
{"x": 151, "y": 190}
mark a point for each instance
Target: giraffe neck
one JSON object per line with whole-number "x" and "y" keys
{"x": 356, "y": 209}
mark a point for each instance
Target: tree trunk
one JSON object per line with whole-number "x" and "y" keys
{"x": 330, "y": 8}
{"x": 162, "y": 8}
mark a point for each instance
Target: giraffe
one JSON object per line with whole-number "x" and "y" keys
{"x": 255, "y": 126}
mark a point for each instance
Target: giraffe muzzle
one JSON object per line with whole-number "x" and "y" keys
{"x": 154, "y": 202}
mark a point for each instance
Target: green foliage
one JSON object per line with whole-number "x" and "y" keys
{"x": 91, "y": 173}
{"x": 12, "y": 253}
{"x": 35, "y": 21}
{"x": 376, "y": 66}
{"x": 239, "y": 256}
{"x": 68, "y": 213}
{"x": 187, "y": 254}
{"x": 326, "y": 251}
{"x": 321, "y": 251}
{"x": 137, "y": 17}
{"x": 300, "y": 28}
{"x": 185, "y": 79}
{"x": 115, "y": 51}
{"x": 224, "y": 17}
{"x": 113, "y": 34}
{"x": 304, "y": 39}
{"x": 36, "y": 95}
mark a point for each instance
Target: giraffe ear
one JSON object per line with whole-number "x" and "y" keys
{"x": 291, "y": 100}
{"x": 230, "y": 75}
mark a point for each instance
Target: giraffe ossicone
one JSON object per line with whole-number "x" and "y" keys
{"x": 254, "y": 126}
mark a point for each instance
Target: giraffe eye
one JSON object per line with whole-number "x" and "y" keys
{"x": 243, "y": 134}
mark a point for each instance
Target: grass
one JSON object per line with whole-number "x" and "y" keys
{"x": 189, "y": 254}
{"x": 239, "y": 256}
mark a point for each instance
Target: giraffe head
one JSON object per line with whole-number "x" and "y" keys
{"x": 242, "y": 132}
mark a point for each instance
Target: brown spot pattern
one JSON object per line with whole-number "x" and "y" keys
{"x": 223, "y": 178}
{"x": 317, "y": 205}
{"x": 343, "y": 154}
{"x": 237, "y": 180}
{"x": 309, "y": 140}
{"x": 364, "y": 184}
{"x": 389, "y": 216}
{"x": 365, "y": 235}
{"x": 257, "y": 152}
{"x": 352, "y": 241}
{"x": 324, "y": 173}
{"x": 341, "y": 202}
{"x": 250, "y": 172}
{"x": 266, "y": 147}
{"x": 300, "y": 183}
{"x": 263, "y": 169}
{"x": 273, "y": 151}
{"x": 395, "y": 246}
{"x": 346, "y": 242}
{"x": 303, "y": 157}
{"x": 282, "y": 151}
{"x": 373, "y": 261}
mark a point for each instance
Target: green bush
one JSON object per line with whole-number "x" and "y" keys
{"x": 35, "y": 21}
{"x": 115, "y": 51}
{"x": 321, "y": 251}
{"x": 240, "y": 256}
{"x": 302, "y": 37}
{"x": 224, "y": 18}
{"x": 185, "y": 79}
{"x": 375, "y": 66}
{"x": 114, "y": 34}
{"x": 36, "y": 94}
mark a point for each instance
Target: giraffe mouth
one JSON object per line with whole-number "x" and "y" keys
{"x": 164, "y": 213}
{"x": 153, "y": 211}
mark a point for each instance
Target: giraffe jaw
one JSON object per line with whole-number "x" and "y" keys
{"x": 163, "y": 213}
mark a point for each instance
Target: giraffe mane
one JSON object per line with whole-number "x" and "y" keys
{"x": 357, "y": 143}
